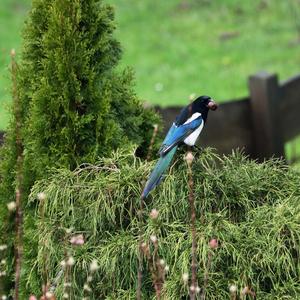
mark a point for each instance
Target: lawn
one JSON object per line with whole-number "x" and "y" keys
{"x": 12, "y": 15}
{"x": 180, "y": 47}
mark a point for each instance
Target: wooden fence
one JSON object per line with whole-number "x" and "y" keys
{"x": 259, "y": 124}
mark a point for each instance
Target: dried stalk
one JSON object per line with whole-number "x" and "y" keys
{"x": 42, "y": 197}
{"x": 140, "y": 257}
{"x": 87, "y": 291}
{"x": 19, "y": 233}
{"x": 156, "y": 265}
{"x": 2, "y": 269}
{"x": 213, "y": 245}
{"x": 19, "y": 177}
{"x": 140, "y": 219}
{"x": 194, "y": 285}
{"x": 155, "y": 130}
{"x": 233, "y": 296}
{"x": 209, "y": 261}
{"x": 189, "y": 159}
{"x": 67, "y": 264}
{"x": 247, "y": 291}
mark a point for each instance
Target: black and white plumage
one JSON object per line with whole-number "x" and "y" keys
{"x": 185, "y": 130}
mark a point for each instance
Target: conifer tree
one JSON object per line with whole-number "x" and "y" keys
{"x": 75, "y": 105}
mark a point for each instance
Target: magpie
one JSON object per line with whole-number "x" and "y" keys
{"x": 185, "y": 130}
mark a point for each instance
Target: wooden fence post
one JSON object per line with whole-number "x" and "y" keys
{"x": 264, "y": 102}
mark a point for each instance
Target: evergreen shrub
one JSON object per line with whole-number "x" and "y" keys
{"x": 252, "y": 209}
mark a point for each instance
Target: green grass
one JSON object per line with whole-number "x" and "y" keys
{"x": 175, "y": 49}
{"x": 180, "y": 50}
{"x": 292, "y": 150}
{"x": 12, "y": 14}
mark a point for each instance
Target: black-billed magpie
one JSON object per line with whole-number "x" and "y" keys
{"x": 185, "y": 130}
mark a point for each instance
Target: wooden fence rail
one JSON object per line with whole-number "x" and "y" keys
{"x": 259, "y": 124}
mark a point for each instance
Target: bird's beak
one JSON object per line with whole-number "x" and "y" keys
{"x": 212, "y": 105}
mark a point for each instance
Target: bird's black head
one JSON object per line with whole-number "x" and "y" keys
{"x": 203, "y": 103}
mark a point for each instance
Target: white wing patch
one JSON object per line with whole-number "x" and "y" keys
{"x": 192, "y": 118}
{"x": 192, "y": 138}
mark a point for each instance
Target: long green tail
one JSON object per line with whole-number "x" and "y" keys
{"x": 157, "y": 173}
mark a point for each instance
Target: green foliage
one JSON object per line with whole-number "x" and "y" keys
{"x": 75, "y": 105}
{"x": 80, "y": 107}
{"x": 252, "y": 209}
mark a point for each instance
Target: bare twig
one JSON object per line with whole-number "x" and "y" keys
{"x": 247, "y": 291}
{"x": 232, "y": 291}
{"x": 194, "y": 284}
{"x": 42, "y": 197}
{"x": 206, "y": 273}
{"x": 213, "y": 244}
{"x": 189, "y": 159}
{"x": 157, "y": 265}
{"x": 3, "y": 266}
{"x": 67, "y": 264}
{"x": 140, "y": 220}
{"x": 140, "y": 254}
{"x": 87, "y": 291}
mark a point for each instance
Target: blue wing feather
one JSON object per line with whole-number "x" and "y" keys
{"x": 169, "y": 135}
{"x": 177, "y": 134}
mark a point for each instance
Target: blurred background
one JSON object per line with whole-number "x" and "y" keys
{"x": 182, "y": 47}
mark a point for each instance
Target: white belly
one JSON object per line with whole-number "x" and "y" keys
{"x": 192, "y": 138}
